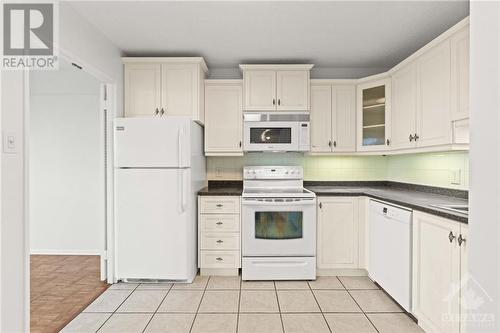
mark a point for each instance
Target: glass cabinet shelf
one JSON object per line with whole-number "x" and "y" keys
{"x": 372, "y": 111}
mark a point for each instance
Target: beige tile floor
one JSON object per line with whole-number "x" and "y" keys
{"x": 226, "y": 304}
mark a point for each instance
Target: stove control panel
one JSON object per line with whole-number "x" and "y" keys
{"x": 273, "y": 172}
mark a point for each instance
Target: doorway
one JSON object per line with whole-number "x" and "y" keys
{"x": 67, "y": 194}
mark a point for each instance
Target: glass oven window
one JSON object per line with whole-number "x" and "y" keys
{"x": 278, "y": 225}
{"x": 271, "y": 135}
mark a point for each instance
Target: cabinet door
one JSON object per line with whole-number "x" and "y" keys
{"x": 374, "y": 115}
{"x": 292, "y": 90}
{"x": 344, "y": 118}
{"x": 223, "y": 118}
{"x": 436, "y": 271}
{"x": 433, "y": 103}
{"x": 460, "y": 75}
{"x": 337, "y": 238}
{"x": 142, "y": 89}
{"x": 180, "y": 90}
{"x": 404, "y": 107}
{"x": 321, "y": 118}
{"x": 260, "y": 90}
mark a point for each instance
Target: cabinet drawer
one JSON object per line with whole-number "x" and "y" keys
{"x": 220, "y": 241}
{"x": 222, "y": 222}
{"x": 225, "y": 205}
{"x": 220, "y": 259}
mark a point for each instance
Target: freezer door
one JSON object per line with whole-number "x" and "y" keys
{"x": 152, "y": 142}
{"x": 155, "y": 226}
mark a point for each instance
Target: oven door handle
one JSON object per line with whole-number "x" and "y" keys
{"x": 278, "y": 203}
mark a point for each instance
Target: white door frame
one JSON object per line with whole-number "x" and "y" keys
{"x": 107, "y": 270}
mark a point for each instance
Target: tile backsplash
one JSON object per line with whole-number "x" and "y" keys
{"x": 448, "y": 169}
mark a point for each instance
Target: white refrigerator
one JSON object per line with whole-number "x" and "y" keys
{"x": 159, "y": 168}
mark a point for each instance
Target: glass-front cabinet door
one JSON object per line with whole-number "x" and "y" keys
{"x": 373, "y": 103}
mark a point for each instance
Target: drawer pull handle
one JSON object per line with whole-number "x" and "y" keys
{"x": 219, "y": 259}
{"x": 219, "y": 205}
{"x": 219, "y": 223}
{"x": 220, "y": 241}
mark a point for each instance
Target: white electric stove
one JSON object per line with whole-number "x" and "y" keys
{"x": 278, "y": 225}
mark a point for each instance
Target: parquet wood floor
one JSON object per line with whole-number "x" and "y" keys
{"x": 61, "y": 287}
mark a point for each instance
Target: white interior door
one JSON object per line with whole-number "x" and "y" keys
{"x": 151, "y": 215}
{"x": 344, "y": 118}
{"x": 321, "y": 118}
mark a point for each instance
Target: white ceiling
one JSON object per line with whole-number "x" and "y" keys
{"x": 340, "y": 34}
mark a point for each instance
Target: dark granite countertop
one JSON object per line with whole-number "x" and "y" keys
{"x": 222, "y": 188}
{"x": 416, "y": 197}
{"x": 403, "y": 196}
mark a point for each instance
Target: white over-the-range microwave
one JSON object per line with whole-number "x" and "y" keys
{"x": 276, "y": 131}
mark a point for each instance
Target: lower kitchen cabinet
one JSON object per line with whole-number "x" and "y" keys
{"x": 219, "y": 235}
{"x": 439, "y": 267}
{"x": 337, "y": 233}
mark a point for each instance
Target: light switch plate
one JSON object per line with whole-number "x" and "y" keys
{"x": 9, "y": 143}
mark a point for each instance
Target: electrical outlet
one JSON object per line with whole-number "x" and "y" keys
{"x": 218, "y": 172}
{"x": 456, "y": 177}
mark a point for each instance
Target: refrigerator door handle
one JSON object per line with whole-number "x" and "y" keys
{"x": 180, "y": 137}
{"x": 183, "y": 192}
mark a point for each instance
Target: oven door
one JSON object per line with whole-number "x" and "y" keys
{"x": 271, "y": 136}
{"x": 283, "y": 227}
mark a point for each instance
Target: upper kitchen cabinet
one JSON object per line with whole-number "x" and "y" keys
{"x": 333, "y": 117}
{"x": 460, "y": 74}
{"x": 276, "y": 87}
{"x": 404, "y": 107}
{"x": 223, "y": 117}
{"x": 433, "y": 102}
{"x": 374, "y": 114}
{"x": 164, "y": 86}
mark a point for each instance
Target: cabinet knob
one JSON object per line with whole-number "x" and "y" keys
{"x": 219, "y": 259}
{"x": 220, "y": 241}
{"x": 219, "y": 223}
{"x": 279, "y": 101}
{"x": 274, "y": 101}
{"x": 219, "y": 205}
{"x": 411, "y": 138}
{"x": 451, "y": 236}
{"x": 460, "y": 240}
{"x": 330, "y": 143}
{"x": 416, "y": 137}
{"x": 335, "y": 143}
{"x": 240, "y": 144}
{"x": 162, "y": 112}
{"x": 157, "y": 111}
{"x": 388, "y": 142}
{"x": 320, "y": 205}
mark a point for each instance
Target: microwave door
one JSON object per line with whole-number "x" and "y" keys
{"x": 267, "y": 136}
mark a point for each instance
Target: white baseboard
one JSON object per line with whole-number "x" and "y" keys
{"x": 67, "y": 252}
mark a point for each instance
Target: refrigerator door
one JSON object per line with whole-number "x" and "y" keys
{"x": 155, "y": 229}
{"x": 152, "y": 142}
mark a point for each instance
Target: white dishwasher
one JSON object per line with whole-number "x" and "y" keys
{"x": 390, "y": 259}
